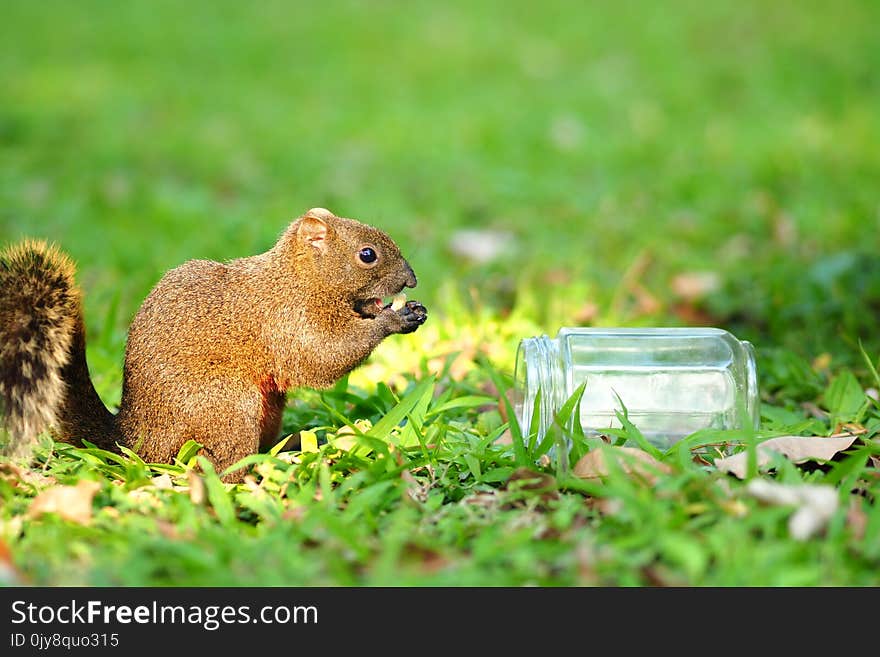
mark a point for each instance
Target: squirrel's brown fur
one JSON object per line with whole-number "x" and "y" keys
{"x": 213, "y": 348}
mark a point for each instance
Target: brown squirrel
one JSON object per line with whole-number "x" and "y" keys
{"x": 212, "y": 350}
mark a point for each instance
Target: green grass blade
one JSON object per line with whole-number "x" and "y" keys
{"x": 518, "y": 442}
{"x": 633, "y": 432}
{"x": 396, "y": 415}
{"x": 467, "y": 401}
{"x": 410, "y": 434}
{"x": 187, "y": 451}
{"x": 870, "y": 363}
{"x": 217, "y": 493}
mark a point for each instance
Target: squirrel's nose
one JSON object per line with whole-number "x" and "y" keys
{"x": 410, "y": 276}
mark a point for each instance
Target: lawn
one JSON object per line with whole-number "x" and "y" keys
{"x": 625, "y": 164}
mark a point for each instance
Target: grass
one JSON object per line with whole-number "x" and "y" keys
{"x": 622, "y": 149}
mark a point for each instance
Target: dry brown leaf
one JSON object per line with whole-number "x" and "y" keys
{"x": 856, "y": 518}
{"x": 631, "y": 460}
{"x": 646, "y": 303}
{"x": 585, "y": 558}
{"x": 480, "y": 498}
{"x": 15, "y": 474}
{"x": 526, "y": 479}
{"x": 692, "y": 314}
{"x": 660, "y": 575}
{"x": 294, "y": 513}
{"x": 506, "y": 438}
{"x": 197, "y": 492}
{"x": 814, "y": 504}
{"x": 111, "y": 511}
{"x": 531, "y": 480}
{"x": 586, "y": 314}
{"x": 694, "y": 285}
{"x": 163, "y": 482}
{"x": 502, "y": 407}
{"x": 849, "y": 429}
{"x": 145, "y": 497}
{"x": 797, "y": 449}
{"x": 73, "y": 503}
{"x": 608, "y": 506}
{"x": 427, "y": 559}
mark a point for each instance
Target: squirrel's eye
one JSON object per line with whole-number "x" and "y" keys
{"x": 367, "y": 255}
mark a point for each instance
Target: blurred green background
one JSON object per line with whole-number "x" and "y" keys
{"x": 632, "y": 162}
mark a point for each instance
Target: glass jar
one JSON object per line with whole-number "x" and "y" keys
{"x": 671, "y": 381}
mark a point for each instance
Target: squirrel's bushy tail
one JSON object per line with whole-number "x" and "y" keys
{"x": 44, "y": 381}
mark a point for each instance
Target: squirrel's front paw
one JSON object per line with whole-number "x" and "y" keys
{"x": 412, "y": 316}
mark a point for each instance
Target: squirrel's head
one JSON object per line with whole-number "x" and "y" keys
{"x": 351, "y": 260}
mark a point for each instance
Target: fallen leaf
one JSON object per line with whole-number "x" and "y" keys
{"x": 815, "y": 504}
{"x": 511, "y": 395}
{"x": 163, "y": 482}
{"x": 15, "y": 474}
{"x": 506, "y": 438}
{"x": 856, "y": 518}
{"x": 849, "y": 429}
{"x": 295, "y": 513}
{"x": 526, "y": 479}
{"x": 607, "y": 506}
{"x": 427, "y": 559}
{"x": 646, "y": 303}
{"x": 196, "y": 487}
{"x": 797, "y": 449}
{"x": 168, "y": 529}
{"x": 585, "y": 558}
{"x": 481, "y": 498}
{"x": 531, "y": 480}
{"x": 695, "y": 285}
{"x": 586, "y": 314}
{"x": 631, "y": 460}
{"x": 692, "y": 314}
{"x": 73, "y": 503}
{"x": 662, "y": 576}
{"x": 145, "y": 496}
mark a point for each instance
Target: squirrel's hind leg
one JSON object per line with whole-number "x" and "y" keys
{"x": 225, "y": 417}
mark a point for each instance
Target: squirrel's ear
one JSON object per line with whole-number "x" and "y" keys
{"x": 320, "y": 213}
{"x": 313, "y": 231}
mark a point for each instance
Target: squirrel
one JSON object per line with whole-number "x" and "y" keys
{"x": 213, "y": 349}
